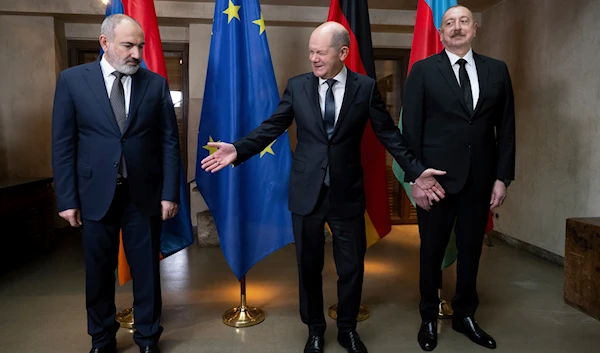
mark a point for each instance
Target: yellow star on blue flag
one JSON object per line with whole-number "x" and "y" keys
{"x": 268, "y": 149}
{"x": 261, "y": 23}
{"x": 232, "y": 11}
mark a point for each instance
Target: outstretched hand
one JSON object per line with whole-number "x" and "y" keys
{"x": 427, "y": 182}
{"x": 224, "y": 156}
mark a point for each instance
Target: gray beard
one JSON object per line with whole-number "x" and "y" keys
{"x": 122, "y": 67}
{"x": 127, "y": 69}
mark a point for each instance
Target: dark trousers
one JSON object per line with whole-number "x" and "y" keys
{"x": 349, "y": 246}
{"x": 466, "y": 211}
{"x": 141, "y": 240}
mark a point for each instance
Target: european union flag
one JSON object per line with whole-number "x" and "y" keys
{"x": 248, "y": 202}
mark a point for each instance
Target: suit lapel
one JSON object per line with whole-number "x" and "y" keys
{"x": 311, "y": 89}
{"x": 446, "y": 69}
{"x": 95, "y": 80}
{"x": 483, "y": 72}
{"x": 349, "y": 94}
{"x": 139, "y": 83}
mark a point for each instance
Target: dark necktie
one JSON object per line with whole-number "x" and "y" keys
{"x": 465, "y": 84}
{"x": 329, "y": 108}
{"x": 329, "y": 118}
{"x": 117, "y": 101}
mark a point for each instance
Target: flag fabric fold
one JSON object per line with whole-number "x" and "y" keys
{"x": 427, "y": 42}
{"x": 354, "y": 16}
{"x": 177, "y": 232}
{"x": 249, "y": 203}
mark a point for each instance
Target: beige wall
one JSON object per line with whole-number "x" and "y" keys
{"x": 551, "y": 48}
{"x": 28, "y": 62}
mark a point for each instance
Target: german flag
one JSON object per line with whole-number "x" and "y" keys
{"x": 354, "y": 15}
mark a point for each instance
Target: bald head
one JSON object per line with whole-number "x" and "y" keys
{"x": 458, "y": 29}
{"x": 336, "y": 34}
{"x": 111, "y": 22}
{"x": 328, "y": 47}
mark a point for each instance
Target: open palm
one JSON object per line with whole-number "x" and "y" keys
{"x": 221, "y": 158}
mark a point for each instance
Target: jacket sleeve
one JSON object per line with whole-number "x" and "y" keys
{"x": 391, "y": 138}
{"x": 170, "y": 148}
{"x": 505, "y": 133}
{"x": 64, "y": 147}
{"x": 412, "y": 112}
{"x": 268, "y": 130}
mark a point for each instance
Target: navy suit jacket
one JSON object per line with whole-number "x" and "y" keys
{"x": 87, "y": 143}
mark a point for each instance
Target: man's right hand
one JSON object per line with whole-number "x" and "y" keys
{"x": 427, "y": 182}
{"x": 224, "y": 156}
{"x": 73, "y": 216}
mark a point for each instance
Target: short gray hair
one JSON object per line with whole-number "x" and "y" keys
{"x": 111, "y": 22}
{"x": 340, "y": 39}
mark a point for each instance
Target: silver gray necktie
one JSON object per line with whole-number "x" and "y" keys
{"x": 117, "y": 101}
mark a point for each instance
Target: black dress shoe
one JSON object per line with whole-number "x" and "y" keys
{"x": 469, "y": 327}
{"x": 314, "y": 344}
{"x": 427, "y": 336}
{"x": 351, "y": 341}
{"x": 150, "y": 349}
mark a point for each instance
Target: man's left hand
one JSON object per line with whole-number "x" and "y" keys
{"x": 168, "y": 209}
{"x": 498, "y": 194}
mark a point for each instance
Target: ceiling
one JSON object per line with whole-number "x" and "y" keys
{"x": 474, "y": 5}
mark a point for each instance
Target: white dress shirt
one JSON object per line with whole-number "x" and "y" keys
{"x": 109, "y": 79}
{"x": 471, "y": 71}
{"x": 339, "y": 88}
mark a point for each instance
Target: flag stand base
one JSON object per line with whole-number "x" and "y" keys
{"x": 363, "y": 313}
{"x": 243, "y": 316}
{"x": 446, "y": 311}
{"x": 125, "y": 319}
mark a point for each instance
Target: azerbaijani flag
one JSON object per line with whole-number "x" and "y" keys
{"x": 354, "y": 15}
{"x": 427, "y": 42}
{"x": 177, "y": 232}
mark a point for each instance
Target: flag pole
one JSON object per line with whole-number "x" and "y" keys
{"x": 243, "y": 316}
{"x": 445, "y": 310}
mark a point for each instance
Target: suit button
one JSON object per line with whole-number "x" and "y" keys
{"x": 115, "y": 164}
{"x": 322, "y": 169}
{"x": 330, "y": 145}
{"x": 470, "y": 122}
{"x": 123, "y": 139}
{"x": 469, "y": 146}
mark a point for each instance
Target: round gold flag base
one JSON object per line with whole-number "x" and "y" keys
{"x": 363, "y": 313}
{"x": 243, "y": 316}
{"x": 125, "y": 319}
{"x": 446, "y": 311}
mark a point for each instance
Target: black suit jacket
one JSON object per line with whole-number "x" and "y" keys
{"x": 87, "y": 143}
{"x": 442, "y": 133}
{"x": 314, "y": 151}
